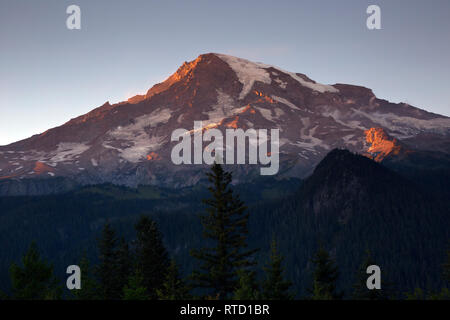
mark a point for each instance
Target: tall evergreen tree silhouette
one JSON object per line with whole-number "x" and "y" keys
{"x": 152, "y": 258}
{"x": 325, "y": 276}
{"x": 225, "y": 229}
{"x": 124, "y": 264}
{"x": 107, "y": 269}
{"x": 173, "y": 287}
{"x": 90, "y": 288}
{"x": 135, "y": 289}
{"x": 247, "y": 286}
{"x": 34, "y": 280}
{"x": 275, "y": 287}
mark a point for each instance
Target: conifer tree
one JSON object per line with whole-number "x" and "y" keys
{"x": 325, "y": 276}
{"x": 225, "y": 228}
{"x": 275, "y": 287}
{"x": 151, "y": 255}
{"x": 90, "y": 288}
{"x": 247, "y": 288}
{"x": 320, "y": 292}
{"x": 173, "y": 287}
{"x": 124, "y": 264}
{"x": 107, "y": 268}
{"x": 360, "y": 290}
{"x": 35, "y": 279}
{"x": 135, "y": 289}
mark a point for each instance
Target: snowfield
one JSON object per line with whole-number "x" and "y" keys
{"x": 248, "y": 72}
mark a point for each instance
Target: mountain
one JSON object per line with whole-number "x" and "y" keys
{"x": 129, "y": 143}
{"x": 352, "y": 204}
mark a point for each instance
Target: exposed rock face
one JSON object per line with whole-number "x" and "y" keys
{"x": 381, "y": 145}
{"x": 41, "y": 168}
{"x": 130, "y": 143}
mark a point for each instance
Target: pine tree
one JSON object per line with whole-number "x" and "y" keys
{"x": 325, "y": 276}
{"x": 90, "y": 289}
{"x": 135, "y": 289}
{"x": 360, "y": 290}
{"x": 151, "y": 255}
{"x": 274, "y": 286}
{"x": 107, "y": 268}
{"x": 319, "y": 292}
{"x": 173, "y": 287}
{"x": 247, "y": 288}
{"x": 225, "y": 226}
{"x": 35, "y": 280}
{"x": 124, "y": 264}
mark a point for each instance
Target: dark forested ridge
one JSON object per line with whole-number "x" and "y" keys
{"x": 352, "y": 204}
{"x": 349, "y": 205}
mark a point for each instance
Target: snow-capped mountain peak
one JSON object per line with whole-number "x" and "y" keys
{"x": 130, "y": 142}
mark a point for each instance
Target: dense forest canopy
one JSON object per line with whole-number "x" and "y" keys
{"x": 350, "y": 205}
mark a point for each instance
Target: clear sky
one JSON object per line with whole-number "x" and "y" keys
{"x": 49, "y": 74}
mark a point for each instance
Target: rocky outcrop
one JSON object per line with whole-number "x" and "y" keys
{"x": 381, "y": 145}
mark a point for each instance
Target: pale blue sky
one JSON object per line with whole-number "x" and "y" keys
{"x": 49, "y": 74}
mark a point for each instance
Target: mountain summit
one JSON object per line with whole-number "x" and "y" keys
{"x": 129, "y": 142}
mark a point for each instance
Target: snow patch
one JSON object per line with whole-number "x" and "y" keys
{"x": 308, "y": 141}
{"x": 248, "y": 72}
{"x": 281, "y": 83}
{"x": 137, "y": 142}
{"x": 129, "y": 132}
{"x": 348, "y": 139}
{"x": 278, "y": 112}
{"x": 67, "y": 151}
{"x": 319, "y": 87}
{"x": 141, "y": 148}
{"x": 266, "y": 113}
{"x": 403, "y": 126}
{"x": 286, "y": 102}
{"x": 224, "y": 108}
{"x": 339, "y": 118}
